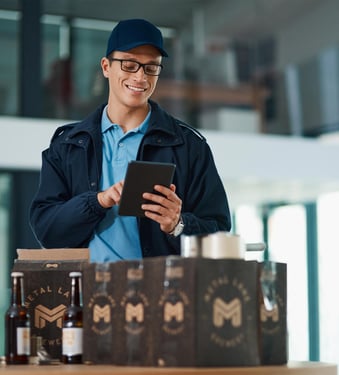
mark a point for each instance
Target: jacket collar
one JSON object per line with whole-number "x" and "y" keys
{"x": 91, "y": 124}
{"x": 160, "y": 122}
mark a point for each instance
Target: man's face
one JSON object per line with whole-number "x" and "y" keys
{"x": 131, "y": 89}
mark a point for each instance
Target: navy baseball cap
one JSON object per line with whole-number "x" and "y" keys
{"x": 132, "y": 33}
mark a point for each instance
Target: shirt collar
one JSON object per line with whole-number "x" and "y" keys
{"x": 106, "y": 124}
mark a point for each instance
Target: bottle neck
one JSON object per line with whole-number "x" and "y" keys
{"x": 76, "y": 291}
{"x": 174, "y": 273}
{"x": 17, "y": 290}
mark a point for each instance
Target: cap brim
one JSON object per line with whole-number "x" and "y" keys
{"x": 130, "y": 46}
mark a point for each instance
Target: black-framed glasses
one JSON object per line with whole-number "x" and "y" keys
{"x": 132, "y": 66}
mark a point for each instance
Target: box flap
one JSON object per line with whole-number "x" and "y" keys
{"x": 54, "y": 254}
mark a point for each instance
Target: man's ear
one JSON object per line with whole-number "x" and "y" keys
{"x": 104, "y": 66}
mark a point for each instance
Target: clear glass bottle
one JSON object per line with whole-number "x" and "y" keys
{"x": 17, "y": 324}
{"x": 72, "y": 326}
{"x": 134, "y": 305}
{"x": 173, "y": 314}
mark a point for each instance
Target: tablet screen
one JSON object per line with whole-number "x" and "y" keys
{"x": 141, "y": 176}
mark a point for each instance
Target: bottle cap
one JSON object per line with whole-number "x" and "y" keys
{"x": 75, "y": 274}
{"x": 17, "y": 274}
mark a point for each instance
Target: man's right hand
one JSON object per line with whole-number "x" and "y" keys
{"x": 111, "y": 196}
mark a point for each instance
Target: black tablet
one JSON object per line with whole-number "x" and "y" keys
{"x": 141, "y": 176}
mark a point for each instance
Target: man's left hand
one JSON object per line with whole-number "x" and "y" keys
{"x": 165, "y": 209}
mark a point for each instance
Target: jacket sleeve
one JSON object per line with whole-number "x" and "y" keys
{"x": 58, "y": 218}
{"x": 205, "y": 204}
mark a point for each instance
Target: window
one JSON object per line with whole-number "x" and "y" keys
{"x": 328, "y": 219}
{"x": 9, "y": 63}
{"x": 287, "y": 244}
{"x": 5, "y": 184}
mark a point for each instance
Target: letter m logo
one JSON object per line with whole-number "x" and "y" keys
{"x": 101, "y": 313}
{"x": 273, "y": 314}
{"x": 175, "y": 311}
{"x": 136, "y": 312}
{"x": 227, "y": 311}
{"x": 43, "y": 314}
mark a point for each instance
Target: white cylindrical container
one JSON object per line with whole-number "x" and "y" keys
{"x": 190, "y": 246}
{"x": 221, "y": 245}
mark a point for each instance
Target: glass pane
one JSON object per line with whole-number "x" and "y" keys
{"x": 249, "y": 226}
{"x": 328, "y": 219}
{"x": 55, "y": 75}
{"x": 287, "y": 244}
{"x": 89, "y": 85}
{"x": 4, "y": 251}
{"x": 9, "y": 63}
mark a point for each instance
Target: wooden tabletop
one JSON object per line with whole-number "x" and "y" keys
{"x": 298, "y": 368}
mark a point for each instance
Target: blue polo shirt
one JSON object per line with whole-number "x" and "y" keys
{"x": 117, "y": 237}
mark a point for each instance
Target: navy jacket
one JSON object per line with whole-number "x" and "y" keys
{"x": 65, "y": 210}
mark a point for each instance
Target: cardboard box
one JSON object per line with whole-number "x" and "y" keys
{"x": 274, "y": 318}
{"x": 118, "y": 312}
{"x": 47, "y": 288}
{"x": 208, "y": 313}
{"x": 140, "y": 286}
{"x": 172, "y": 311}
{"x": 101, "y": 291}
{"x": 174, "y": 317}
{"x": 227, "y": 313}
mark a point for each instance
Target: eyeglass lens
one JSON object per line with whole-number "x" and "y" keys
{"x": 133, "y": 67}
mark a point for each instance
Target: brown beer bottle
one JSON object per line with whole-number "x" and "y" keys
{"x": 17, "y": 324}
{"x": 72, "y": 334}
{"x": 173, "y": 301}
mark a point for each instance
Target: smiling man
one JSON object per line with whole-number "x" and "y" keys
{"x": 83, "y": 170}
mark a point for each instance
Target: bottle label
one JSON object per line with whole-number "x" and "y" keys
{"x": 71, "y": 341}
{"x": 23, "y": 339}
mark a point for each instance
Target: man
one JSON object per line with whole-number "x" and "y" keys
{"x": 83, "y": 169}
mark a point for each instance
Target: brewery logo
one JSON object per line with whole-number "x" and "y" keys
{"x": 135, "y": 274}
{"x": 101, "y": 305}
{"x": 103, "y": 313}
{"x": 102, "y": 277}
{"x": 227, "y": 311}
{"x": 46, "y": 304}
{"x": 134, "y": 304}
{"x": 44, "y": 294}
{"x": 134, "y": 312}
{"x": 269, "y": 314}
{"x": 174, "y": 272}
{"x": 273, "y": 320}
{"x": 42, "y": 314}
{"x": 173, "y": 302}
{"x": 173, "y": 312}
{"x": 226, "y": 300}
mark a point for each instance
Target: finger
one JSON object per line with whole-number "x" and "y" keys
{"x": 164, "y": 193}
{"x": 119, "y": 186}
{"x": 166, "y": 224}
{"x": 164, "y": 214}
{"x": 168, "y": 192}
{"x": 159, "y": 199}
{"x": 115, "y": 191}
{"x": 156, "y": 208}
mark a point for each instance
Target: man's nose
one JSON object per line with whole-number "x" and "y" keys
{"x": 140, "y": 73}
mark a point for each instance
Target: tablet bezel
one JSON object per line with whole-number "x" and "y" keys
{"x": 141, "y": 176}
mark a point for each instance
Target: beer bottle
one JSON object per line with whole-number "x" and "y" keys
{"x": 173, "y": 301}
{"x": 135, "y": 304}
{"x": 72, "y": 326}
{"x": 17, "y": 324}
